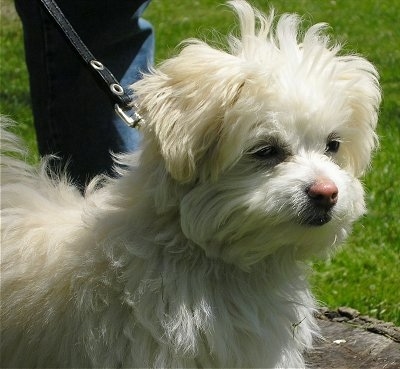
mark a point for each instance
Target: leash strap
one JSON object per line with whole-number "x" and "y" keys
{"x": 121, "y": 97}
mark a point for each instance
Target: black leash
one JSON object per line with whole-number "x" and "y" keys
{"x": 121, "y": 97}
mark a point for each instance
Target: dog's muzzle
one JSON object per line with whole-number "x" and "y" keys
{"x": 322, "y": 196}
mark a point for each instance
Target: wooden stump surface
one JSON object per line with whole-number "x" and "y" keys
{"x": 351, "y": 341}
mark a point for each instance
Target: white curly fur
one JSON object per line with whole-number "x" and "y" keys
{"x": 194, "y": 256}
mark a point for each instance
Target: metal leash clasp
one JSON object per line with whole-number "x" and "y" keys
{"x": 134, "y": 120}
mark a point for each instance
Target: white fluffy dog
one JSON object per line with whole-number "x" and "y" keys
{"x": 195, "y": 256}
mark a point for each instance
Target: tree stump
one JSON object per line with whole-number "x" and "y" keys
{"x": 352, "y": 341}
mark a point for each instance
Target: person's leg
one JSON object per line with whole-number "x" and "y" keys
{"x": 74, "y": 116}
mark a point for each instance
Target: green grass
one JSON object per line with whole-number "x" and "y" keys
{"x": 365, "y": 272}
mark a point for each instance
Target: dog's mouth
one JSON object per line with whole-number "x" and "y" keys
{"x": 315, "y": 220}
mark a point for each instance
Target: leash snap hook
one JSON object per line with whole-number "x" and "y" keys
{"x": 134, "y": 121}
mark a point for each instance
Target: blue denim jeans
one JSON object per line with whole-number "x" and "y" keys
{"x": 74, "y": 116}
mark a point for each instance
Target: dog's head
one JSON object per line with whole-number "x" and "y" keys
{"x": 268, "y": 138}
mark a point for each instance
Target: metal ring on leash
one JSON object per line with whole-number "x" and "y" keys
{"x": 116, "y": 89}
{"x": 96, "y": 65}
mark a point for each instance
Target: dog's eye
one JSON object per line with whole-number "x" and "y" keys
{"x": 270, "y": 152}
{"x": 333, "y": 143}
{"x": 332, "y": 146}
{"x": 266, "y": 152}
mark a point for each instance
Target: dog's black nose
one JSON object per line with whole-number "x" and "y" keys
{"x": 323, "y": 193}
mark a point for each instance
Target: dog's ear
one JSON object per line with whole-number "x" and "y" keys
{"x": 363, "y": 95}
{"x": 184, "y": 103}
